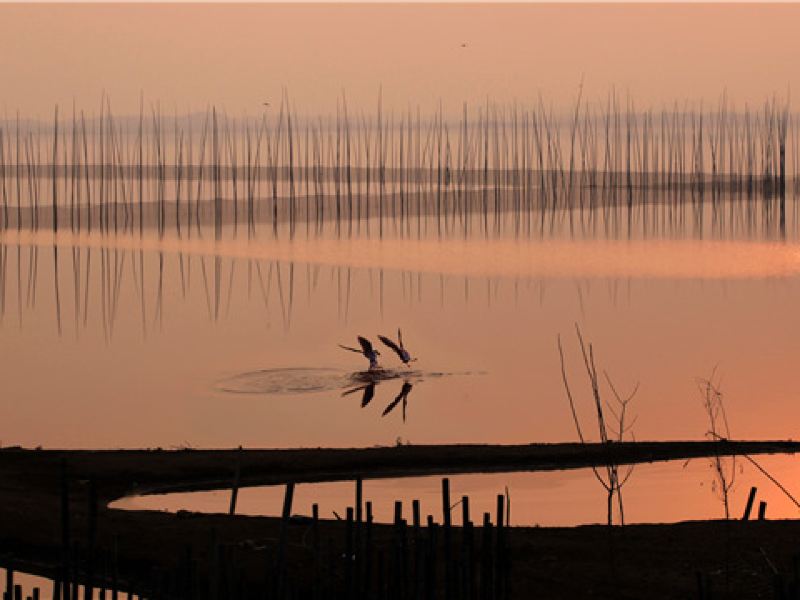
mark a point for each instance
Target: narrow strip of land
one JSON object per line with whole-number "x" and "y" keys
{"x": 119, "y": 472}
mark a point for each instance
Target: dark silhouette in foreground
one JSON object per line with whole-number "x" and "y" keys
{"x": 463, "y": 554}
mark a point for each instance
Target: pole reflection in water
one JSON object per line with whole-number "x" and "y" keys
{"x": 158, "y": 318}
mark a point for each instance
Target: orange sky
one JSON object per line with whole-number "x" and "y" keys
{"x": 240, "y": 55}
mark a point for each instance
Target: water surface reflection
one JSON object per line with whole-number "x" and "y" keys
{"x": 656, "y": 493}
{"x": 136, "y": 331}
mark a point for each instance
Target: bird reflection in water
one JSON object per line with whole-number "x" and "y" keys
{"x": 401, "y": 397}
{"x": 368, "y": 393}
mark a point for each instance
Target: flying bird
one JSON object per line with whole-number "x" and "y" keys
{"x": 265, "y": 103}
{"x": 367, "y": 350}
{"x": 399, "y": 349}
{"x": 464, "y": 45}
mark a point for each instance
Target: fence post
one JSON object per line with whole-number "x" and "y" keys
{"x": 749, "y": 506}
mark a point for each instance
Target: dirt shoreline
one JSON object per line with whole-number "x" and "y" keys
{"x": 656, "y": 560}
{"x": 120, "y": 472}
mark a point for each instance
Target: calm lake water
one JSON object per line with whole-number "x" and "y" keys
{"x": 129, "y": 340}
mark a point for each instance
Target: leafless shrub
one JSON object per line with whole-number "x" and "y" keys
{"x": 616, "y": 429}
{"x": 724, "y": 468}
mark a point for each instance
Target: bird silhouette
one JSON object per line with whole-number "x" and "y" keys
{"x": 368, "y": 389}
{"x": 401, "y": 397}
{"x": 370, "y": 353}
{"x": 399, "y": 349}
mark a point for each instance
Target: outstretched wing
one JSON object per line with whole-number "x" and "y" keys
{"x": 393, "y": 404}
{"x": 365, "y": 344}
{"x": 369, "y": 392}
{"x": 401, "y": 397}
{"x": 353, "y": 390}
{"x": 349, "y": 348}
{"x": 406, "y": 389}
{"x": 391, "y": 345}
